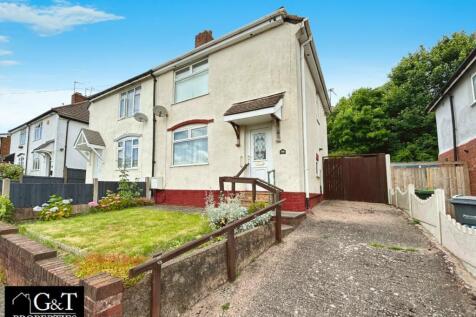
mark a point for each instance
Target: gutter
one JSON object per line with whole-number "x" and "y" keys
{"x": 65, "y": 168}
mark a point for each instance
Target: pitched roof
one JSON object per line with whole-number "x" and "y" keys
{"x": 93, "y": 137}
{"x": 465, "y": 65}
{"x": 44, "y": 145}
{"x": 77, "y": 112}
{"x": 254, "y": 104}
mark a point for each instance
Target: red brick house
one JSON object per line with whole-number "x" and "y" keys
{"x": 455, "y": 110}
{"x": 4, "y": 146}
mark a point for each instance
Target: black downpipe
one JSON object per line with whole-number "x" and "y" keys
{"x": 65, "y": 167}
{"x": 154, "y": 121}
{"x": 453, "y": 125}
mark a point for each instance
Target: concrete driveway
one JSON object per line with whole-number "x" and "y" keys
{"x": 348, "y": 259}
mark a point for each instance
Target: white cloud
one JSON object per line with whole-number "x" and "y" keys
{"x": 5, "y": 52}
{"x": 8, "y": 63}
{"x": 18, "y": 106}
{"x": 52, "y": 19}
{"x": 3, "y": 39}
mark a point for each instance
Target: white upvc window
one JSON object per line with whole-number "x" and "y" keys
{"x": 38, "y": 131}
{"x": 191, "y": 81}
{"x": 129, "y": 103}
{"x": 190, "y": 146}
{"x": 36, "y": 162}
{"x": 473, "y": 82}
{"x": 128, "y": 153}
{"x": 22, "y": 140}
{"x": 21, "y": 161}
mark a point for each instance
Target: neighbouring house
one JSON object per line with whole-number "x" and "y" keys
{"x": 455, "y": 111}
{"x": 254, "y": 96}
{"x": 43, "y": 146}
{"x": 4, "y": 146}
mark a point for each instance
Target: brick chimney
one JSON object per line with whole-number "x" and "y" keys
{"x": 203, "y": 37}
{"x": 77, "y": 97}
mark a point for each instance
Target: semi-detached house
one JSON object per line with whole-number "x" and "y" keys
{"x": 255, "y": 97}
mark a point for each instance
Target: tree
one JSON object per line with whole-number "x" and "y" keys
{"x": 410, "y": 130}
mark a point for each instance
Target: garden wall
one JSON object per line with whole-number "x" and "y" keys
{"x": 189, "y": 279}
{"x": 27, "y": 262}
{"x": 460, "y": 240}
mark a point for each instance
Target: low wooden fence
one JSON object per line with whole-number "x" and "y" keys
{"x": 452, "y": 177}
{"x": 155, "y": 264}
{"x": 460, "y": 240}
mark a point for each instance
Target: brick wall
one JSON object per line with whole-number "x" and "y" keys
{"x": 4, "y": 146}
{"x": 26, "y": 262}
{"x": 295, "y": 201}
{"x": 466, "y": 153}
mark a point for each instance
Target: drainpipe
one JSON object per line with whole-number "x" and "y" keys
{"x": 453, "y": 126}
{"x": 154, "y": 122}
{"x": 304, "y": 121}
{"x": 27, "y": 148}
{"x": 65, "y": 168}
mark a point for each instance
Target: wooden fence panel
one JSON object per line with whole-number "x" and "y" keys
{"x": 105, "y": 186}
{"x": 452, "y": 177}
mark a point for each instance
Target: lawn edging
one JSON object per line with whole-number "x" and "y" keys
{"x": 27, "y": 262}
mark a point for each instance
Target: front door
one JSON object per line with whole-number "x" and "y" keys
{"x": 260, "y": 156}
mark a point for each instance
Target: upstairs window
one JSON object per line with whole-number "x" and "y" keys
{"x": 473, "y": 81}
{"x": 22, "y": 140}
{"x": 130, "y": 103}
{"x": 38, "y": 131}
{"x": 191, "y": 81}
{"x": 190, "y": 146}
{"x": 128, "y": 153}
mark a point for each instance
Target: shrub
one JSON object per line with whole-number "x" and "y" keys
{"x": 114, "y": 201}
{"x": 258, "y": 205}
{"x": 11, "y": 171}
{"x": 127, "y": 189}
{"x": 6, "y": 209}
{"x": 56, "y": 208}
{"x": 229, "y": 209}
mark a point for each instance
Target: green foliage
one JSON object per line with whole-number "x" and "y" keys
{"x": 11, "y": 171}
{"x": 6, "y": 209}
{"x": 127, "y": 189}
{"x": 393, "y": 118}
{"x": 254, "y": 207}
{"x": 56, "y": 208}
{"x": 114, "y": 201}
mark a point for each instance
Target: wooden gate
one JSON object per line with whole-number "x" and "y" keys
{"x": 356, "y": 178}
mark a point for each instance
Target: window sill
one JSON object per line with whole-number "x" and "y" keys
{"x": 179, "y": 102}
{"x": 186, "y": 165}
{"x": 127, "y": 169}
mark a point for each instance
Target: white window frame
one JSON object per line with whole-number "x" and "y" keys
{"x": 21, "y": 161}
{"x": 190, "y": 74}
{"x": 121, "y": 147}
{"x": 189, "y": 138}
{"x": 22, "y": 137}
{"x": 38, "y": 131}
{"x": 473, "y": 86}
{"x": 123, "y": 97}
{"x": 36, "y": 162}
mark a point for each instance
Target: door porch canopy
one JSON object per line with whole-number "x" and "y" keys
{"x": 255, "y": 111}
{"x": 89, "y": 141}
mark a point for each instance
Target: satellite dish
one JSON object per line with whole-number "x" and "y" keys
{"x": 160, "y": 111}
{"x": 139, "y": 116}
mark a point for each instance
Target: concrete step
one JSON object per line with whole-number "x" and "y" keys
{"x": 292, "y": 218}
{"x": 286, "y": 229}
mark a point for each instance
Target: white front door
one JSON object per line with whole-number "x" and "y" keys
{"x": 260, "y": 155}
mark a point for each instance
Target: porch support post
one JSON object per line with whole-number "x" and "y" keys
{"x": 237, "y": 133}
{"x": 278, "y": 128}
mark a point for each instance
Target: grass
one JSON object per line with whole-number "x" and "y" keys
{"x": 415, "y": 221}
{"x": 115, "y": 241}
{"x": 397, "y": 248}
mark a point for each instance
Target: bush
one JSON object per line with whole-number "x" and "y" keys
{"x": 11, "y": 171}
{"x": 127, "y": 189}
{"x": 229, "y": 209}
{"x": 114, "y": 201}
{"x": 56, "y": 208}
{"x": 6, "y": 209}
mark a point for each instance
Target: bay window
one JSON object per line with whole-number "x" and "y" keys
{"x": 128, "y": 153}
{"x": 191, "y": 81}
{"x": 190, "y": 146}
{"x": 129, "y": 103}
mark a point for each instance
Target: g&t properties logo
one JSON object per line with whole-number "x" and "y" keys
{"x": 47, "y": 301}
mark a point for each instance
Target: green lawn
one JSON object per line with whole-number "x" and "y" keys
{"x": 131, "y": 232}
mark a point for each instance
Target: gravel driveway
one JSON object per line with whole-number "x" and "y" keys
{"x": 348, "y": 259}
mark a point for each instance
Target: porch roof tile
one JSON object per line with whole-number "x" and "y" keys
{"x": 254, "y": 104}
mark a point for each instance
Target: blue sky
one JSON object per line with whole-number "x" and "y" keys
{"x": 47, "y": 45}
